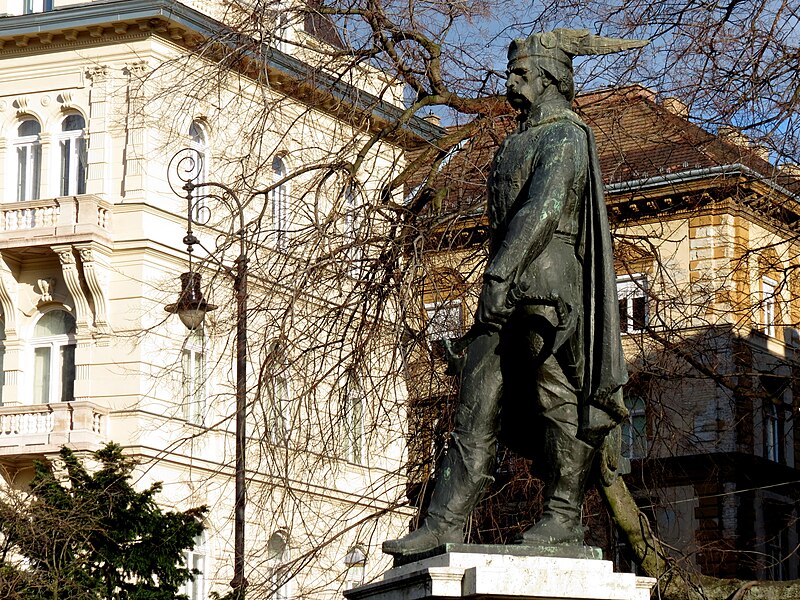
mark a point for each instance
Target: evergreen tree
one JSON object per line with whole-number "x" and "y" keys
{"x": 90, "y": 536}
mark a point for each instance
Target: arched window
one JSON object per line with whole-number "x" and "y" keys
{"x": 278, "y": 556}
{"x": 355, "y": 562}
{"x": 193, "y": 363}
{"x": 29, "y": 159}
{"x": 54, "y": 358}
{"x": 195, "y": 588}
{"x": 73, "y": 155}
{"x": 279, "y": 199}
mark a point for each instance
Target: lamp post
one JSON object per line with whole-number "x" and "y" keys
{"x": 191, "y": 307}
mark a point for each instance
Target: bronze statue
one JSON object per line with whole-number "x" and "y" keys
{"x": 544, "y": 363}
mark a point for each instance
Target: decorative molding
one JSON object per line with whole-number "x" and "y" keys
{"x": 95, "y": 272}
{"x": 21, "y": 103}
{"x": 9, "y": 298}
{"x": 99, "y": 74}
{"x": 69, "y": 267}
{"x": 136, "y": 68}
{"x": 46, "y": 285}
{"x": 65, "y": 98}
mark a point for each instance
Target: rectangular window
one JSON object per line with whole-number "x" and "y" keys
{"x": 54, "y": 381}
{"x": 67, "y": 355}
{"x": 773, "y": 432}
{"x": 445, "y": 321}
{"x": 29, "y": 167}
{"x": 634, "y": 429}
{"x": 194, "y": 389}
{"x": 41, "y": 375}
{"x": 195, "y": 588}
{"x": 632, "y": 293}
{"x": 35, "y": 6}
{"x": 768, "y": 291}
{"x": 354, "y": 428}
{"x": 279, "y": 410}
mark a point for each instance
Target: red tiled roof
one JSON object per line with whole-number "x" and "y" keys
{"x": 636, "y": 138}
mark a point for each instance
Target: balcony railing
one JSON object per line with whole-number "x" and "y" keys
{"x": 67, "y": 217}
{"x": 44, "y": 428}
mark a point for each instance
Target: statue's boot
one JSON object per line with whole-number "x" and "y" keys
{"x": 569, "y": 466}
{"x": 459, "y": 485}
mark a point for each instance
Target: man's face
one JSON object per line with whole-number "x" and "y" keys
{"x": 522, "y": 83}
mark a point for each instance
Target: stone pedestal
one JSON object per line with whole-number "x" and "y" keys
{"x": 504, "y": 572}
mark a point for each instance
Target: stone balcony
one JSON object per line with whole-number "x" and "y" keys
{"x": 66, "y": 219}
{"x": 32, "y": 431}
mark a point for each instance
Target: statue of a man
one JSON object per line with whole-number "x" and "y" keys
{"x": 544, "y": 365}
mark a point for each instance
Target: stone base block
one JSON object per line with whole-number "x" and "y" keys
{"x": 504, "y": 572}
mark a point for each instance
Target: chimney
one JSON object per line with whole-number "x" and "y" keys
{"x": 734, "y": 136}
{"x": 433, "y": 119}
{"x": 676, "y": 107}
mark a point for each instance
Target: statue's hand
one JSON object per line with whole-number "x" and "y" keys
{"x": 493, "y": 307}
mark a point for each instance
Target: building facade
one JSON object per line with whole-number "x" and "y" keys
{"x": 95, "y": 100}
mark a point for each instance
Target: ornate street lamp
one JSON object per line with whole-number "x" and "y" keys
{"x": 191, "y": 307}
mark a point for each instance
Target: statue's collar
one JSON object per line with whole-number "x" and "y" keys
{"x": 542, "y": 114}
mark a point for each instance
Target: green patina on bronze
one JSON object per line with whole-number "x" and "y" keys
{"x": 543, "y": 363}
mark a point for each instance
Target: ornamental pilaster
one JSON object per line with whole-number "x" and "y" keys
{"x": 135, "y": 183}
{"x": 98, "y": 180}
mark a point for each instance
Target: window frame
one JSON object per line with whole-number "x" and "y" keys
{"x": 196, "y": 558}
{"x": 631, "y": 288}
{"x": 634, "y": 438}
{"x": 352, "y": 410}
{"x": 277, "y": 560}
{"x": 773, "y": 432}
{"x": 280, "y": 201}
{"x": 55, "y": 385}
{"x": 31, "y": 7}
{"x": 194, "y": 393}
{"x": 73, "y": 158}
{"x": 280, "y": 397}
{"x": 355, "y": 562}
{"x": 769, "y": 306}
{"x": 29, "y": 168}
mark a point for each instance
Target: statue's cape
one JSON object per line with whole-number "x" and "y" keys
{"x": 604, "y": 364}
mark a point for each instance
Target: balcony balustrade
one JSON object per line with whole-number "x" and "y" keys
{"x": 54, "y": 221}
{"x": 43, "y": 428}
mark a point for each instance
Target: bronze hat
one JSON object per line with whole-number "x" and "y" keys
{"x": 561, "y": 45}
